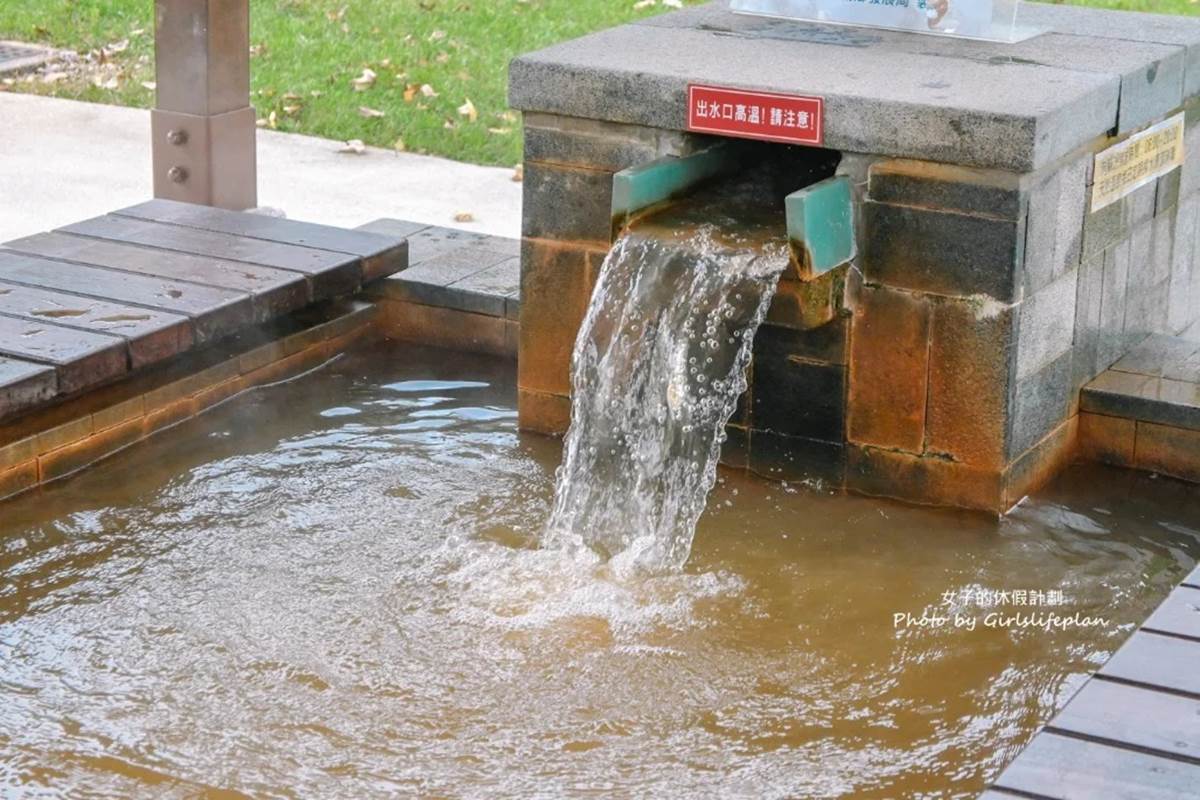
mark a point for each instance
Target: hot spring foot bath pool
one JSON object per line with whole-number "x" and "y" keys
{"x": 334, "y": 588}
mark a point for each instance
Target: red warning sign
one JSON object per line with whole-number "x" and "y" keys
{"x": 756, "y": 115}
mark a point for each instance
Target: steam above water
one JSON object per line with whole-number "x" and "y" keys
{"x": 317, "y": 603}
{"x": 658, "y": 367}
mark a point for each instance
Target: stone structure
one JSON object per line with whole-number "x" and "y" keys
{"x": 985, "y": 291}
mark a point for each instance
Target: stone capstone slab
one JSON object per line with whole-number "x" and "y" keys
{"x": 1151, "y": 66}
{"x": 1005, "y": 113}
{"x": 1168, "y": 29}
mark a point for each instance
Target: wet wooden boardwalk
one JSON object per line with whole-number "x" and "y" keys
{"x": 1133, "y": 730}
{"x": 84, "y": 305}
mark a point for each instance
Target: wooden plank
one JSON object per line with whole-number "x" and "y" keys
{"x": 81, "y": 359}
{"x": 381, "y": 255}
{"x": 150, "y": 335}
{"x": 214, "y": 312}
{"x": 331, "y": 273}
{"x": 1072, "y": 769}
{"x": 1156, "y": 660}
{"x": 275, "y": 291}
{"x": 1146, "y": 718}
{"x": 24, "y": 385}
{"x": 1193, "y": 580}
{"x": 1179, "y": 614}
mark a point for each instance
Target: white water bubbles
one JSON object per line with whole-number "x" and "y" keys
{"x": 658, "y": 367}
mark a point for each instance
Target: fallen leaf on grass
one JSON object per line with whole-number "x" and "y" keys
{"x": 364, "y": 81}
{"x": 468, "y": 110}
{"x": 370, "y": 113}
{"x": 428, "y": 91}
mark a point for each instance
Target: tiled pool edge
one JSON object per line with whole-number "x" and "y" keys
{"x": 58, "y": 442}
{"x": 461, "y": 291}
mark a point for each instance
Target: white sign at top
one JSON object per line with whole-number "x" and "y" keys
{"x": 979, "y": 19}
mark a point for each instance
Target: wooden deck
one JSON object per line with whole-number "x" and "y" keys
{"x": 1133, "y": 730}
{"x": 91, "y": 302}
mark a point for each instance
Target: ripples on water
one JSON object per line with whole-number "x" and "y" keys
{"x": 333, "y": 589}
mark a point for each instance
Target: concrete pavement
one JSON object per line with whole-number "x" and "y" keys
{"x": 62, "y": 161}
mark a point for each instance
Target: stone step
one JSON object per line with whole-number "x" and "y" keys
{"x": 1156, "y": 382}
{"x": 456, "y": 270}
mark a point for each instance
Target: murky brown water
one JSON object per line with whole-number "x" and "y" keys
{"x": 329, "y": 589}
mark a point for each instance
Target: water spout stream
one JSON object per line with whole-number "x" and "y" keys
{"x": 659, "y": 364}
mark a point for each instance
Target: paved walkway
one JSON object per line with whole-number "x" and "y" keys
{"x": 62, "y": 161}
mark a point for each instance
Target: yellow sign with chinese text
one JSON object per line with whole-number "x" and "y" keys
{"x": 1137, "y": 161}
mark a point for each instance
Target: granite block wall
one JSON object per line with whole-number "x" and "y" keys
{"x": 944, "y": 364}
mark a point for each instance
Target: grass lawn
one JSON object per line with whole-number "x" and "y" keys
{"x": 440, "y": 66}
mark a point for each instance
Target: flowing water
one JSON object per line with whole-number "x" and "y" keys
{"x": 658, "y": 367}
{"x": 334, "y": 588}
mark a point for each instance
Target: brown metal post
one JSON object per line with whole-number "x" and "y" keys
{"x": 203, "y": 125}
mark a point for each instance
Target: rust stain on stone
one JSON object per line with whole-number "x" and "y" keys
{"x": 889, "y": 366}
{"x": 968, "y": 382}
